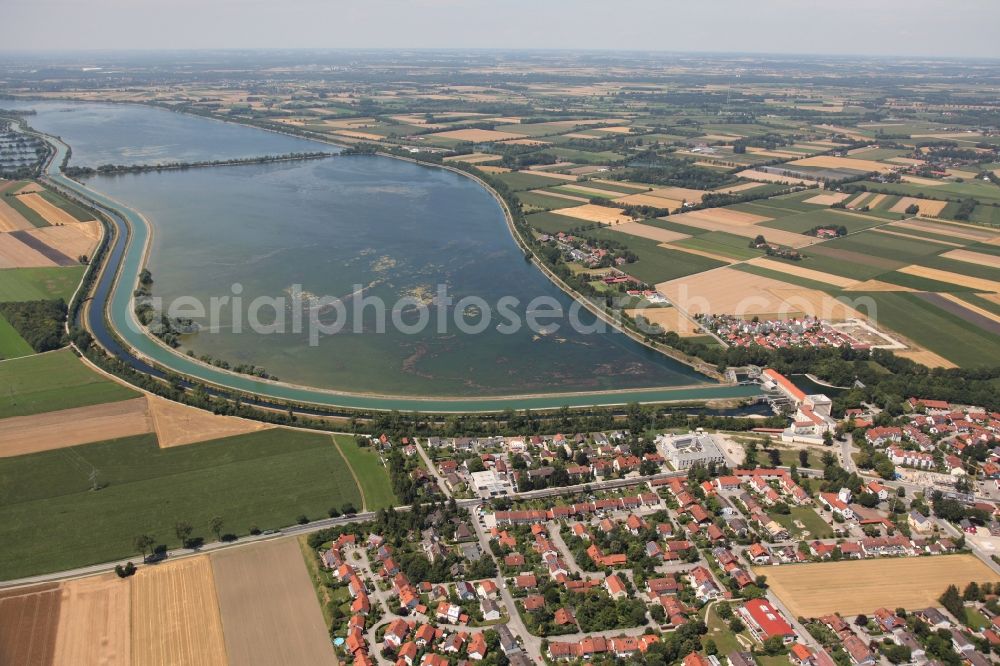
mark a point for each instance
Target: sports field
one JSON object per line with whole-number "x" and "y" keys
{"x": 53, "y": 381}
{"x": 270, "y": 612}
{"x": 266, "y": 479}
{"x": 862, "y": 586}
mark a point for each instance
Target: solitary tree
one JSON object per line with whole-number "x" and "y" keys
{"x": 183, "y": 531}
{"x": 143, "y": 543}
{"x": 216, "y": 526}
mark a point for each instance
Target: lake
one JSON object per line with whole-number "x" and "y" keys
{"x": 393, "y": 228}
{"x": 134, "y": 134}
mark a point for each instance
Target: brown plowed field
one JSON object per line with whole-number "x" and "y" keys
{"x": 29, "y": 618}
{"x": 270, "y": 612}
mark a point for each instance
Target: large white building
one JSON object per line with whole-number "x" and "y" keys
{"x": 812, "y": 412}
{"x": 683, "y": 451}
{"x": 490, "y": 484}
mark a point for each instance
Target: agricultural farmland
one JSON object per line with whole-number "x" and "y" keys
{"x": 861, "y": 586}
{"x": 264, "y": 479}
{"x": 175, "y": 615}
{"x": 53, "y": 381}
{"x": 270, "y": 612}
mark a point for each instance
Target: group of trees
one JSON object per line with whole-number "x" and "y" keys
{"x": 149, "y": 546}
{"x": 40, "y": 323}
{"x": 105, "y": 169}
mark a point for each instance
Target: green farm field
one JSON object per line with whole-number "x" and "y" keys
{"x": 521, "y": 180}
{"x": 12, "y": 345}
{"x": 720, "y": 242}
{"x": 937, "y": 330}
{"x": 657, "y": 264}
{"x": 985, "y": 193}
{"x": 553, "y": 223}
{"x": 372, "y": 475}
{"x": 805, "y": 221}
{"x": 53, "y": 381}
{"x": 39, "y": 284}
{"x": 79, "y": 212}
{"x": 544, "y": 202}
{"x": 52, "y": 519}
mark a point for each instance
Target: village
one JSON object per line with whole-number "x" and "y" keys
{"x": 617, "y": 546}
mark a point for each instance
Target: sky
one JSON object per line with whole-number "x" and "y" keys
{"x": 934, "y": 28}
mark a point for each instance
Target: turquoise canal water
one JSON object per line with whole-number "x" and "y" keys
{"x": 397, "y": 229}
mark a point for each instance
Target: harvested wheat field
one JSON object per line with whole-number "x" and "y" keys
{"x": 485, "y": 168}
{"x": 862, "y": 586}
{"x": 46, "y": 431}
{"x": 15, "y": 254}
{"x": 595, "y": 213}
{"x": 925, "y": 182}
{"x": 94, "y": 622}
{"x": 701, "y": 253}
{"x": 270, "y": 613}
{"x": 649, "y": 200}
{"x": 858, "y": 201}
{"x": 474, "y": 158}
{"x": 614, "y": 130}
{"x": 830, "y": 162}
{"x": 680, "y": 193}
{"x": 780, "y": 154}
{"x": 525, "y": 142}
{"x": 560, "y": 195}
{"x": 799, "y": 271}
{"x": 768, "y": 177}
{"x": 569, "y": 177}
{"x": 876, "y": 200}
{"x": 11, "y": 220}
{"x": 53, "y": 214}
{"x": 72, "y": 240}
{"x": 175, "y": 615}
{"x": 29, "y": 617}
{"x": 476, "y": 135}
{"x": 926, "y": 206}
{"x": 177, "y": 424}
{"x": 584, "y": 190}
{"x": 943, "y": 229}
{"x": 727, "y": 290}
{"x": 788, "y": 238}
{"x": 736, "y": 188}
{"x": 876, "y": 285}
{"x": 354, "y": 134}
{"x": 979, "y": 284}
{"x": 970, "y": 257}
{"x": 650, "y": 232}
{"x": 925, "y": 357}
{"x": 726, "y": 216}
{"x": 827, "y": 199}
{"x": 669, "y": 319}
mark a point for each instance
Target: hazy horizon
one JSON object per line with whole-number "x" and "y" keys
{"x": 900, "y": 28}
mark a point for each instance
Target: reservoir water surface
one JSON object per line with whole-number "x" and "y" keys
{"x": 396, "y": 229}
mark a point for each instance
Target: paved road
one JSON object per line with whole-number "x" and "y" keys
{"x": 432, "y": 468}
